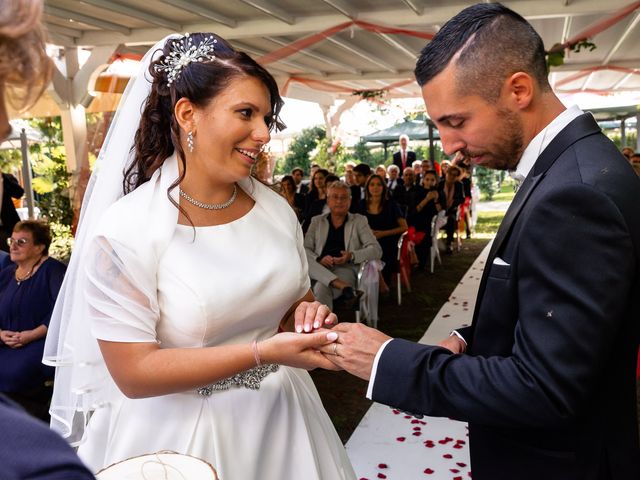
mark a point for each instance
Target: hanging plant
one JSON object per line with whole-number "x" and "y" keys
{"x": 371, "y": 95}
{"x": 555, "y": 55}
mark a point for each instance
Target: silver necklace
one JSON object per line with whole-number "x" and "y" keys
{"x": 211, "y": 206}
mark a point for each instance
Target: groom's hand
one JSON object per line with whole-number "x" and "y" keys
{"x": 355, "y": 349}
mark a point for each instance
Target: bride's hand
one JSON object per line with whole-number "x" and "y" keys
{"x": 296, "y": 350}
{"x": 313, "y": 315}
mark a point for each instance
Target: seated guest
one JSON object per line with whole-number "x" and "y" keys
{"x": 295, "y": 200}
{"x": 361, "y": 173}
{"x": 27, "y": 295}
{"x": 417, "y": 170}
{"x": 393, "y": 179}
{"x": 336, "y": 243}
{"x": 406, "y": 195}
{"x": 387, "y": 223}
{"x": 635, "y": 162}
{"x": 429, "y": 202}
{"x": 443, "y": 169}
{"x": 298, "y": 174}
{"x": 381, "y": 171}
{"x": 627, "y": 152}
{"x": 453, "y": 192}
{"x": 316, "y": 198}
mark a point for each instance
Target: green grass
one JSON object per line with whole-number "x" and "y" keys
{"x": 488, "y": 223}
{"x": 506, "y": 192}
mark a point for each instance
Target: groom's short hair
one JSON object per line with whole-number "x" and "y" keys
{"x": 487, "y": 43}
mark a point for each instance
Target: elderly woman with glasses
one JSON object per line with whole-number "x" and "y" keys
{"x": 27, "y": 294}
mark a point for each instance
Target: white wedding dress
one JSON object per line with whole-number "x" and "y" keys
{"x": 228, "y": 284}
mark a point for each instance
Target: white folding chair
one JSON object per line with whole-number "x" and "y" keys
{"x": 368, "y": 282}
{"x": 401, "y": 241}
{"x": 437, "y": 222}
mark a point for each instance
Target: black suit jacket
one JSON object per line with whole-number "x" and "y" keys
{"x": 397, "y": 159}
{"x": 548, "y": 381}
{"x": 10, "y": 189}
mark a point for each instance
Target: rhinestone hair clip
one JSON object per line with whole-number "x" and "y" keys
{"x": 183, "y": 52}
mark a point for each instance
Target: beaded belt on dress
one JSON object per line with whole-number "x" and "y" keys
{"x": 248, "y": 379}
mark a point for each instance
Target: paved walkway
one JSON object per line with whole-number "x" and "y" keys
{"x": 389, "y": 444}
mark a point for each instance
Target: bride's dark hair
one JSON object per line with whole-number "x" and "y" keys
{"x": 158, "y": 134}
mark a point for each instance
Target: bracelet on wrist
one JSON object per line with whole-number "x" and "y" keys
{"x": 256, "y": 353}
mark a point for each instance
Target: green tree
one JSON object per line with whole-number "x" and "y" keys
{"x": 300, "y": 149}
{"x": 50, "y": 175}
{"x": 486, "y": 181}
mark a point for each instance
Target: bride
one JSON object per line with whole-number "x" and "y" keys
{"x": 185, "y": 280}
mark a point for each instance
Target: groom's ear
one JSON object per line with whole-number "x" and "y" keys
{"x": 184, "y": 112}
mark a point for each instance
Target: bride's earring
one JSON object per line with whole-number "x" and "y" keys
{"x": 190, "y": 141}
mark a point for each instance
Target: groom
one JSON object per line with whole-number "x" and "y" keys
{"x": 545, "y": 375}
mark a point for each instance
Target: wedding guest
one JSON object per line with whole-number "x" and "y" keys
{"x": 316, "y": 199}
{"x": 336, "y": 244}
{"x": 393, "y": 179}
{"x": 29, "y": 449}
{"x": 453, "y": 193}
{"x": 407, "y": 194}
{"x": 185, "y": 269}
{"x": 298, "y": 174}
{"x": 627, "y": 152}
{"x": 294, "y": 199}
{"x": 10, "y": 189}
{"x": 635, "y": 162}
{"x": 417, "y": 169}
{"x": 387, "y": 224}
{"x": 404, "y": 157}
{"x": 361, "y": 173}
{"x": 429, "y": 202}
{"x": 381, "y": 171}
{"x": 27, "y": 295}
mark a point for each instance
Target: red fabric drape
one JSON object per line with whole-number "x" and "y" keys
{"x": 306, "y": 42}
{"x": 598, "y": 27}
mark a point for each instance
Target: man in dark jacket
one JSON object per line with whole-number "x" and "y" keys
{"x": 8, "y": 216}
{"x": 545, "y": 374}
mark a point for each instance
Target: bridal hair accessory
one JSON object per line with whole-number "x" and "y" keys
{"x": 190, "y": 141}
{"x": 211, "y": 206}
{"x": 183, "y": 52}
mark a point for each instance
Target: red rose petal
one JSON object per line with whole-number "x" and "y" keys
{"x": 447, "y": 455}
{"x": 401, "y": 439}
{"x": 461, "y": 464}
{"x": 382, "y": 475}
{"x": 428, "y": 471}
{"x": 446, "y": 315}
{"x": 417, "y": 428}
{"x": 414, "y": 421}
{"x": 458, "y": 446}
{"x": 454, "y": 470}
{"x": 384, "y": 465}
{"x": 417, "y": 434}
{"x": 457, "y": 478}
{"x": 396, "y": 412}
{"x": 461, "y": 442}
{"x": 407, "y": 416}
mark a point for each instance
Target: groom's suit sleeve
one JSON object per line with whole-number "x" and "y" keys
{"x": 559, "y": 307}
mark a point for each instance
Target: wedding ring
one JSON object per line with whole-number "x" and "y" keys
{"x": 335, "y": 349}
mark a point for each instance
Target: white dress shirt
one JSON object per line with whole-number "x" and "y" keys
{"x": 526, "y": 163}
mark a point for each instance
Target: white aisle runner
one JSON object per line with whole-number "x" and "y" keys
{"x": 389, "y": 444}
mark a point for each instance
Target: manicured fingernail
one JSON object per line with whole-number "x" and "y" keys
{"x": 332, "y": 336}
{"x": 307, "y": 328}
{"x": 316, "y": 324}
{"x": 299, "y": 328}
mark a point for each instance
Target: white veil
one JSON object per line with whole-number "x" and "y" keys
{"x": 81, "y": 380}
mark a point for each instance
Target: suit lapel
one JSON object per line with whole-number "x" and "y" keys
{"x": 579, "y": 128}
{"x": 348, "y": 231}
